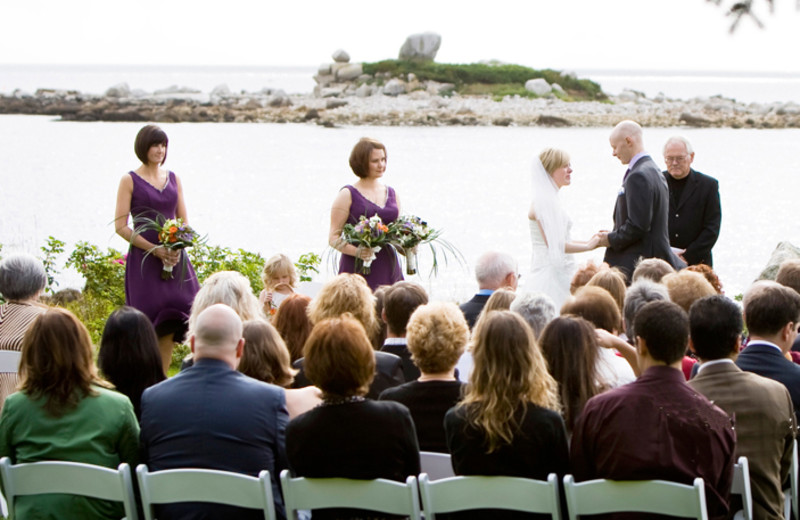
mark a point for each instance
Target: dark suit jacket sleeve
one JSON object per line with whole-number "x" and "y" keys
{"x": 699, "y": 249}
{"x": 282, "y": 419}
{"x": 639, "y": 200}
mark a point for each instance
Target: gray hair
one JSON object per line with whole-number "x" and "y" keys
{"x": 679, "y": 139}
{"x": 492, "y": 267}
{"x": 638, "y": 294}
{"x": 536, "y": 308}
{"x": 230, "y": 288}
{"x": 21, "y": 276}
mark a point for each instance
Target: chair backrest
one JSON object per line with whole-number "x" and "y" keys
{"x": 642, "y": 496}
{"x": 9, "y": 360}
{"x": 386, "y": 496}
{"x": 205, "y": 485}
{"x": 466, "y": 493}
{"x": 436, "y": 465}
{"x": 741, "y": 486}
{"x": 790, "y": 509}
{"x": 71, "y": 478}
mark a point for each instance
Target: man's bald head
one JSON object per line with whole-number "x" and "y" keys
{"x": 217, "y": 331}
{"x": 626, "y": 140}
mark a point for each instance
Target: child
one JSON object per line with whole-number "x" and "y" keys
{"x": 280, "y": 280}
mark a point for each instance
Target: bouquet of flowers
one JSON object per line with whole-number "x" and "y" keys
{"x": 370, "y": 233}
{"x": 409, "y": 231}
{"x": 175, "y": 235}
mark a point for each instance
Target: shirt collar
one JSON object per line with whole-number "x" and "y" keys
{"x": 395, "y": 341}
{"x": 705, "y": 364}
{"x": 768, "y": 343}
{"x": 635, "y": 158}
{"x": 485, "y": 292}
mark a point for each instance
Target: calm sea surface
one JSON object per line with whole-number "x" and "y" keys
{"x": 268, "y": 187}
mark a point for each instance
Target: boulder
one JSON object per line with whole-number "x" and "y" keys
{"x": 538, "y": 86}
{"x": 421, "y": 47}
{"x": 175, "y": 89}
{"x": 394, "y": 87}
{"x": 221, "y": 91}
{"x": 324, "y": 70}
{"x": 279, "y": 99}
{"x": 335, "y": 103}
{"x": 783, "y": 251}
{"x": 693, "y": 120}
{"x": 558, "y": 89}
{"x": 365, "y": 90}
{"x": 120, "y": 90}
{"x": 349, "y": 72}
{"x": 340, "y": 56}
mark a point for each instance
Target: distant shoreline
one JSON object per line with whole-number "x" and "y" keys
{"x": 418, "y": 108}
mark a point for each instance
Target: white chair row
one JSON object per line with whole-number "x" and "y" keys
{"x": 438, "y": 496}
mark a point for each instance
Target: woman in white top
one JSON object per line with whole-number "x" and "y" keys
{"x": 552, "y": 266}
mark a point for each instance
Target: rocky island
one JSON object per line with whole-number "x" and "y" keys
{"x": 410, "y": 91}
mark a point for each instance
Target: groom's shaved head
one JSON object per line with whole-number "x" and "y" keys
{"x": 626, "y": 140}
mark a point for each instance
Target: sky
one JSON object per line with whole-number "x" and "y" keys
{"x": 559, "y": 34}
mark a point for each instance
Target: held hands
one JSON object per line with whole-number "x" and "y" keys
{"x": 364, "y": 253}
{"x": 602, "y": 238}
{"x": 168, "y": 257}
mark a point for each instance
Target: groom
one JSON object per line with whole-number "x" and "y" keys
{"x": 641, "y": 212}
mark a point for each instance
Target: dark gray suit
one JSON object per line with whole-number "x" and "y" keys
{"x": 211, "y": 416}
{"x": 764, "y": 421}
{"x": 640, "y": 219}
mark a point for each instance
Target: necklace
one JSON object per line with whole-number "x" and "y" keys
{"x": 331, "y": 400}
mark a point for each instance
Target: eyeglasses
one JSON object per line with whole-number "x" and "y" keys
{"x": 675, "y": 159}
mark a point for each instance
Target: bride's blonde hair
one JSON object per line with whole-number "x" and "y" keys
{"x": 553, "y": 158}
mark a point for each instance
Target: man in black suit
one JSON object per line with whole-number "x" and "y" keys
{"x": 492, "y": 271}
{"x": 211, "y": 416}
{"x": 694, "y": 208}
{"x": 772, "y": 314}
{"x": 640, "y": 214}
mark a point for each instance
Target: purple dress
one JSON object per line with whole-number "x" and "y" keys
{"x": 385, "y": 269}
{"x": 165, "y": 302}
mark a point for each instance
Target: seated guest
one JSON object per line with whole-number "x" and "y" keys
{"x": 347, "y": 435}
{"x": 266, "y": 358}
{"x": 657, "y": 427}
{"x": 613, "y": 281}
{"x": 641, "y": 292}
{"x": 709, "y": 274}
{"x": 772, "y": 314}
{"x": 654, "y": 269}
{"x": 349, "y": 293}
{"x": 789, "y": 276}
{"x": 508, "y": 422}
{"x": 762, "y": 408}
{"x": 228, "y": 288}
{"x": 437, "y": 334}
{"x": 291, "y": 321}
{"x": 129, "y": 356}
{"x": 379, "y": 295}
{"x": 535, "y": 308}
{"x": 500, "y": 300}
{"x": 685, "y": 287}
{"x": 211, "y": 416}
{"x": 400, "y": 301}
{"x": 492, "y": 271}
{"x": 64, "y": 411}
{"x": 22, "y": 280}
{"x": 584, "y": 274}
{"x": 571, "y": 351}
{"x": 596, "y": 305}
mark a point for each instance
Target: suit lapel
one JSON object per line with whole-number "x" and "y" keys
{"x": 691, "y": 186}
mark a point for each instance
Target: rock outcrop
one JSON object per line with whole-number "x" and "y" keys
{"x": 421, "y": 47}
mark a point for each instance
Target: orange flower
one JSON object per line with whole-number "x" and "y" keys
{"x": 173, "y": 229}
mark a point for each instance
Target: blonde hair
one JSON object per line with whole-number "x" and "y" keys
{"x": 510, "y": 372}
{"x": 276, "y": 267}
{"x": 685, "y": 287}
{"x": 230, "y": 288}
{"x": 346, "y": 293}
{"x": 437, "y": 334}
{"x": 553, "y": 159}
{"x": 613, "y": 281}
{"x": 500, "y": 300}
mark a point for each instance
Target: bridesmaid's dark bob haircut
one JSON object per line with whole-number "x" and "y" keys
{"x": 359, "y": 157}
{"x": 147, "y": 137}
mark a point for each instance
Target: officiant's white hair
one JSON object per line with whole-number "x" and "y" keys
{"x": 492, "y": 267}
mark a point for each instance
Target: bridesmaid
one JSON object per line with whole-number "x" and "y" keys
{"x": 152, "y": 191}
{"x": 368, "y": 197}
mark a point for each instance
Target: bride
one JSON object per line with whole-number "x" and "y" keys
{"x": 552, "y": 265}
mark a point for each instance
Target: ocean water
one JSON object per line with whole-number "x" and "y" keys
{"x": 268, "y": 187}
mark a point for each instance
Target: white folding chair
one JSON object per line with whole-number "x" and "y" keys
{"x": 436, "y": 465}
{"x": 71, "y": 478}
{"x": 467, "y": 493}
{"x": 385, "y": 496}
{"x": 741, "y": 486}
{"x": 595, "y": 497}
{"x": 9, "y": 361}
{"x": 790, "y": 505}
{"x": 205, "y": 485}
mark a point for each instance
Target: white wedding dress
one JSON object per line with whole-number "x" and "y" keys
{"x": 549, "y": 275}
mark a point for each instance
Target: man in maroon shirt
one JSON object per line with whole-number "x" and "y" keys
{"x": 657, "y": 427}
